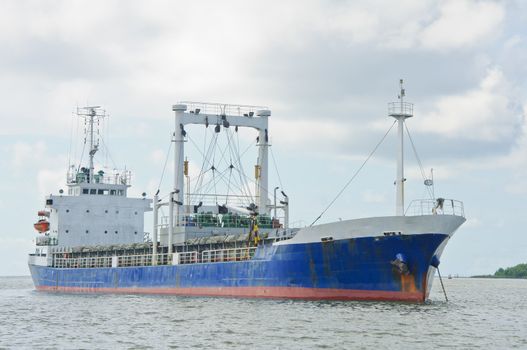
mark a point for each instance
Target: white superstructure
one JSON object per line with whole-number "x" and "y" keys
{"x": 96, "y": 209}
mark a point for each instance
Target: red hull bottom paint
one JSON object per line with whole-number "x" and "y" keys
{"x": 256, "y": 292}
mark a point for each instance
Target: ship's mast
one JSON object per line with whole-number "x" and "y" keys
{"x": 400, "y": 111}
{"x": 93, "y": 148}
{"x": 91, "y": 115}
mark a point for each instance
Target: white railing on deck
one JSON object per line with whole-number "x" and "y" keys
{"x": 421, "y": 207}
{"x": 223, "y": 255}
{"x": 100, "y": 261}
{"x": 187, "y": 257}
{"x": 207, "y": 256}
{"x": 106, "y": 261}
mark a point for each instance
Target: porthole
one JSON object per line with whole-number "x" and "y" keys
{"x": 135, "y": 213}
{"x": 135, "y": 232}
{"x": 87, "y": 210}
{"x": 67, "y": 210}
{"x": 67, "y": 231}
{"x": 115, "y": 232}
{"x": 106, "y": 211}
{"x": 87, "y": 231}
{"x": 117, "y": 212}
{"x": 105, "y": 231}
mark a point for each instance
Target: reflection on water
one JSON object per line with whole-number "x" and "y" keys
{"x": 480, "y": 314}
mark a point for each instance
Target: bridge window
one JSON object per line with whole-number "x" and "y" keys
{"x": 93, "y": 191}
{"x": 85, "y": 191}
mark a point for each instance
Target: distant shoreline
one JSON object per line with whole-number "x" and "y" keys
{"x": 499, "y": 277}
{"x": 515, "y": 272}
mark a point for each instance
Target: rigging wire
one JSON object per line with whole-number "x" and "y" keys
{"x": 235, "y": 151}
{"x": 200, "y": 185}
{"x": 199, "y": 179}
{"x": 276, "y": 169}
{"x": 241, "y": 171}
{"x": 82, "y": 155}
{"x": 354, "y": 175}
{"x": 71, "y": 141}
{"x": 418, "y": 160}
{"x": 165, "y": 165}
{"x": 107, "y": 151}
{"x": 106, "y": 126}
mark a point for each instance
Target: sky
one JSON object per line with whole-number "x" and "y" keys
{"x": 326, "y": 69}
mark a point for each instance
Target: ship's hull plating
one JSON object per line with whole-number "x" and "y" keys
{"x": 349, "y": 269}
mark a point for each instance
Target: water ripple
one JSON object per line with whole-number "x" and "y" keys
{"x": 489, "y": 314}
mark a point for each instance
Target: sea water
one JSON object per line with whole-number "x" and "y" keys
{"x": 480, "y": 314}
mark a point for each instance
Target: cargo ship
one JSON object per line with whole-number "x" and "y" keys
{"x": 92, "y": 239}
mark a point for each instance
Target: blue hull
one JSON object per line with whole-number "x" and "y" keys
{"x": 357, "y": 268}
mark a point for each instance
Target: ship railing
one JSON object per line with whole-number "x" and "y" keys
{"x": 439, "y": 206}
{"x": 46, "y": 241}
{"x": 187, "y": 257}
{"x": 108, "y": 261}
{"x": 122, "y": 178}
{"x": 207, "y": 256}
{"x": 225, "y": 255}
{"x": 234, "y": 200}
{"x": 400, "y": 108}
{"x": 88, "y": 262}
{"x": 229, "y": 220}
{"x": 141, "y": 260}
{"x": 221, "y": 108}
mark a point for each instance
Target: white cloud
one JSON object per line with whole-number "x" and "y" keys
{"x": 309, "y": 135}
{"x": 25, "y": 155}
{"x": 373, "y": 197}
{"x": 473, "y": 222}
{"x": 353, "y": 24}
{"x": 516, "y": 161}
{"x": 158, "y": 157}
{"x": 50, "y": 169}
{"x": 463, "y": 23}
{"x": 482, "y": 113}
{"x": 50, "y": 181}
{"x": 436, "y": 26}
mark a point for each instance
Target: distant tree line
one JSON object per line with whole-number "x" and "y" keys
{"x": 518, "y": 271}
